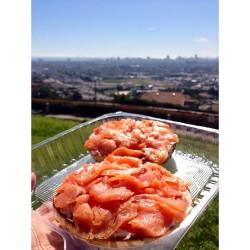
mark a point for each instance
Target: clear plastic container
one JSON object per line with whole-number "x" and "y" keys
{"x": 195, "y": 159}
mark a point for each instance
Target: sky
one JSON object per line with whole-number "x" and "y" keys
{"x": 125, "y": 28}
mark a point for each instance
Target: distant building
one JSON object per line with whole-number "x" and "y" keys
{"x": 174, "y": 98}
{"x": 215, "y": 107}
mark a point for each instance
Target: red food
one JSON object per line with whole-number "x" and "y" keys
{"x": 154, "y": 139}
{"x": 121, "y": 194}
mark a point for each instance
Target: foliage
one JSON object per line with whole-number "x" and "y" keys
{"x": 46, "y": 92}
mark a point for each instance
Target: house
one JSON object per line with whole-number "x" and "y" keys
{"x": 174, "y": 98}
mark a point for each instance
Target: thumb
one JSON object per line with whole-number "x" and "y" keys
{"x": 33, "y": 180}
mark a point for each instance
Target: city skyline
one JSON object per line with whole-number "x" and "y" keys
{"x": 154, "y": 29}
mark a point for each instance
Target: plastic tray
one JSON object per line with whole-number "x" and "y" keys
{"x": 195, "y": 159}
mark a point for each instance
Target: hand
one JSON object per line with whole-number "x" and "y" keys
{"x": 42, "y": 236}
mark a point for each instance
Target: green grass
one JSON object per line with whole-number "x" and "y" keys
{"x": 46, "y": 127}
{"x": 203, "y": 235}
{"x": 206, "y": 150}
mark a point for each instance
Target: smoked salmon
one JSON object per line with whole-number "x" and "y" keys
{"x": 154, "y": 139}
{"x": 123, "y": 193}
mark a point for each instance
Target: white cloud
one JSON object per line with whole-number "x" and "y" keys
{"x": 201, "y": 40}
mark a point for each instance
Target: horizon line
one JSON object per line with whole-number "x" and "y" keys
{"x": 128, "y": 57}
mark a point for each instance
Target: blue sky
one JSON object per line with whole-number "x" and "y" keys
{"x": 125, "y": 28}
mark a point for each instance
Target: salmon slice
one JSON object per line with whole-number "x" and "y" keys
{"x": 103, "y": 193}
{"x": 121, "y": 160}
{"x": 67, "y": 194}
{"x": 122, "y": 151}
{"x": 150, "y": 221}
